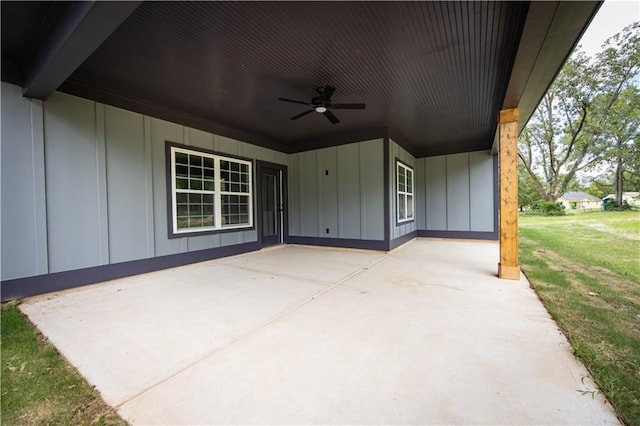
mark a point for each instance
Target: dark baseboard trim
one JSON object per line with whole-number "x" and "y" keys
{"x": 39, "y": 284}
{"x": 339, "y": 242}
{"x": 403, "y": 239}
{"x": 468, "y": 235}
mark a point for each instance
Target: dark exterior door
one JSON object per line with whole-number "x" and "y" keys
{"x": 271, "y": 206}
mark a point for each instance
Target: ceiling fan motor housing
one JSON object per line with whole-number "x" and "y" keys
{"x": 320, "y": 105}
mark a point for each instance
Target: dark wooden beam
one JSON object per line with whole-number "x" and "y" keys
{"x": 75, "y": 37}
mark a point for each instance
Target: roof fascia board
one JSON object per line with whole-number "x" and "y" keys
{"x": 551, "y": 33}
{"x": 537, "y": 25}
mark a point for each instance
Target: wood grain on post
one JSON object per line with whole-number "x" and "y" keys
{"x": 508, "y": 267}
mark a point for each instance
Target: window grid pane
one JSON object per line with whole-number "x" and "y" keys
{"x": 234, "y": 177}
{"x": 404, "y": 191}
{"x": 195, "y": 196}
{"x": 195, "y": 210}
{"x": 235, "y": 210}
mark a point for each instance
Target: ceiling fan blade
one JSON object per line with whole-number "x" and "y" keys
{"x": 332, "y": 118}
{"x": 326, "y": 94}
{"x": 295, "y": 117}
{"x": 294, "y": 101}
{"x": 348, "y": 106}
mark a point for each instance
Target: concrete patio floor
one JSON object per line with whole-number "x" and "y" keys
{"x": 307, "y": 335}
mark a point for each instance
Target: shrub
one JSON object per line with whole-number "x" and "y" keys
{"x": 612, "y": 206}
{"x": 623, "y": 207}
{"x": 548, "y": 208}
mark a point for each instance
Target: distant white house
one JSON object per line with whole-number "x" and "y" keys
{"x": 632, "y": 198}
{"x": 575, "y": 200}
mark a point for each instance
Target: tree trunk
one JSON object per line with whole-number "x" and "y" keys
{"x": 619, "y": 181}
{"x": 619, "y": 178}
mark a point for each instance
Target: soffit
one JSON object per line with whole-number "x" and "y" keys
{"x": 433, "y": 74}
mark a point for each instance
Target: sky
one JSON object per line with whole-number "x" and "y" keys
{"x": 611, "y": 18}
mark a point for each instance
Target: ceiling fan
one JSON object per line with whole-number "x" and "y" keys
{"x": 322, "y": 104}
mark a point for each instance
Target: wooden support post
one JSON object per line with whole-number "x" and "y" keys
{"x": 508, "y": 267}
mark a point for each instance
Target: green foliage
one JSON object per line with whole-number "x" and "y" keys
{"x": 589, "y": 117}
{"x": 585, "y": 270}
{"x": 527, "y": 192}
{"x": 38, "y": 387}
{"x": 548, "y": 208}
{"x": 595, "y": 190}
{"x": 631, "y": 178}
{"x": 611, "y": 206}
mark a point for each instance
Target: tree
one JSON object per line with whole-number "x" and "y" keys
{"x": 595, "y": 190}
{"x": 601, "y": 185}
{"x": 554, "y": 147}
{"x": 587, "y": 116}
{"x": 527, "y": 192}
{"x": 618, "y": 107}
{"x": 620, "y": 130}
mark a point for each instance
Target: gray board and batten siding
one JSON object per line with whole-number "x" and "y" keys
{"x": 84, "y": 189}
{"x": 85, "y": 198}
{"x": 457, "y": 196}
{"x": 336, "y": 195}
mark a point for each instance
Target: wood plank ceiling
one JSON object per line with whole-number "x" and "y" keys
{"x": 433, "y": 73}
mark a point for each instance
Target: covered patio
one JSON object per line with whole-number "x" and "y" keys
{"x": 300, "y": 334}
{"x": 146, "y": 142}
{"x": 140, "y": 136}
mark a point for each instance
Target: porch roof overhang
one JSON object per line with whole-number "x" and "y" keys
{"x": 434, "y": 75}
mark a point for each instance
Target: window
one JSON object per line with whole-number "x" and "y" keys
{"x": 404, "y": 190}
{"x": 209, "y": 192}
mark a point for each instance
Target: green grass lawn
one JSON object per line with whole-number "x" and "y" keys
{"x": 38, "y": 386}
{"x": 586, "y": 269}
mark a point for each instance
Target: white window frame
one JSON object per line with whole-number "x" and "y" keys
{"x": 402, "y": 196}
{"x": 217, "y": 192}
